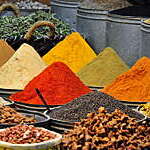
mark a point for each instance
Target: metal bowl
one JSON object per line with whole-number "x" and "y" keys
{"x": 33, "y": 107}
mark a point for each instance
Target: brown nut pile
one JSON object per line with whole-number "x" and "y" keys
{"x": 11, "y": 116}
{"x": 104, "y": 131}
{"x": 24, "y": 134}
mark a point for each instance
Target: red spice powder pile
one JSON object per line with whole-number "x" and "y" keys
{"x": 57, "y": 83}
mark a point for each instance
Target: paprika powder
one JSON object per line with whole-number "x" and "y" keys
{"x": 57, "y": 83}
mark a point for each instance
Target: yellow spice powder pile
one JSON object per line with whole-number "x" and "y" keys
{"x": 73, "y": 51}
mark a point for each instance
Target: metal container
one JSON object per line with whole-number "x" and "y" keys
{"x": 65, "y": 10}
{"x": 145, "y": 31}
{"x": 123, "y": 32}
{"x": 92, "y": 24}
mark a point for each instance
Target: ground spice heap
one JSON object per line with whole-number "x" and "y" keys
{"x": 73, "y": 51}
{"x": 57, "y": 83}
{"x": 104, "y": 131}
{"x": 103, "y": 69}
{"x": 21, "y": 68}
{"x": 133, "y": 85}
{"x": 80, "y": 107}
{"x": 6, "y": 52}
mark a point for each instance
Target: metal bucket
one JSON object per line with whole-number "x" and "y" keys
{"x": 123, "y": 32}
{"x": 145, "y": 31}
{"x": 65, "y": 10}
{"x": 91, "y": 23}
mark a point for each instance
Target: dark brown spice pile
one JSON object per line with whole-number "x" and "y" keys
{"x": 11, "y": 116}
{"x": 80, "y": 107}
{"x": 23, "y": 134}
{"x": 104, "y": 131}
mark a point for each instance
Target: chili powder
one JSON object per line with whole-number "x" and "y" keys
{"x": 57, "y": 83}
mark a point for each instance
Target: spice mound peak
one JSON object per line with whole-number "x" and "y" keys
{"x": 57, "y": 83}
{"x": 21, "y": 68}
{"x": 74, "y": 51}
{"x": 133, "y": 85}
{"x": 103, "y": 69}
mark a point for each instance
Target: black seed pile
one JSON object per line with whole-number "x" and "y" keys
{"x": 80, "y": 107}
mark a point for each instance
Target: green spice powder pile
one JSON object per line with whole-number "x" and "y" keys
{"x": 103, "y": 69}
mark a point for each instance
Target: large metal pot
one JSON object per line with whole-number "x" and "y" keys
{"x": 123, "y": 32}
{"x": 65, "y": 10}
{"x": 145, "y": 31}
{"x": 92, "y": 24}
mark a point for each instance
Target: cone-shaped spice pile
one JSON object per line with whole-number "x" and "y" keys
{"x": 103, "y": 69}
{"x": 6, "y": 52}
{"x": 73, "y": 51}
{"x": 21, "y": 68}
{"x": 57, "y": 83}
{"x": 133, "y": 85}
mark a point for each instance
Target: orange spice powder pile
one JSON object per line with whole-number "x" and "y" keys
{"x": 133, "y": 85}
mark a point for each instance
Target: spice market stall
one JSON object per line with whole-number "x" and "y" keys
{"x": 57, "y": 93}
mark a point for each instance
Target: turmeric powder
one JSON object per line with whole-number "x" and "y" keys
{"x": 73, "y": 51}
{"x": 133, "y": 85}
{"x": 6, "y": 52}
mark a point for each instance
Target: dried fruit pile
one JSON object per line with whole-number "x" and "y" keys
{"x": 10, "y": 116}
{"x": 103, "y": 131}
{"x": 23, "y": 134}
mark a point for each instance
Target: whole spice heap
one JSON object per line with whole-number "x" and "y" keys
{"x": 104, "y": 4}
{"x": 29, "y": 4}
{"x": 23, "y": 134}
{"x": 21, "y": 68}
{"x": 145, "y": 109}
{"x": 101, "y": 131}
{"x": 13, "y": 27}
{"x": 10, "y": 116}
{"x": 80, "y": 107}
{"x": 133, "y": 85}
{"x": 103, "y": 69}
{"x": 73, "y": 51}
{"x": 5, "y": 52}
{"x": 58, "y": 85}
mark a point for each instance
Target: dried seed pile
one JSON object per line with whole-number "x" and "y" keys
{"x": 23, "y": 134}
{"x": 104, "y": 4}
{"x": 80, "y": 107}
{"x": 10, "y": 116}
{"x": 104, "y": 131}
{"x": 28, "y": 4}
